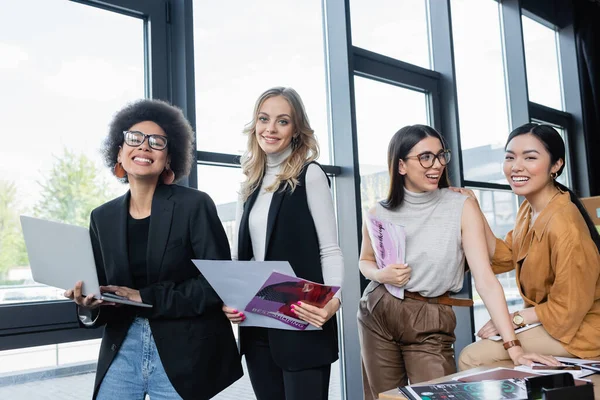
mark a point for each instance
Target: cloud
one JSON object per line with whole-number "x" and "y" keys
{"x": 12, "y": 56}
{"x": 96, "y": 79}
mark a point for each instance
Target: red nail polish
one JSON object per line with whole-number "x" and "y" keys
{"x": 294, "y": 311}
{"x": 299, "y": 303}
{"x": 235, "y": 311}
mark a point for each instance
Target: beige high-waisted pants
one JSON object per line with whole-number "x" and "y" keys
{"x": 486, "y": 351}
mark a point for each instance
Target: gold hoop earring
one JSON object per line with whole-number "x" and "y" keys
{"x": 553, "y": 175}
{"x": 119, "y": 171}
{"x": 168, "y": 176}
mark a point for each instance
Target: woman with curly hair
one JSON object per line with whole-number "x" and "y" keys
{"x": 285, "y": 212}
{"x": 143, "y": 243}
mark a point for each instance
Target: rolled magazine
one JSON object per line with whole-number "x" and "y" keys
{"x": 389, "y": 245}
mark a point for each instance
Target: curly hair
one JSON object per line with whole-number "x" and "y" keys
{"x": 170, "y": 118}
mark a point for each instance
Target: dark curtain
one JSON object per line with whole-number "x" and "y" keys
{"x": 587, "y": 34}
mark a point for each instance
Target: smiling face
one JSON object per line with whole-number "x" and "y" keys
{"x": 527, "y": 165}
{"x": 416, "y": 178}
{"x": 274, "y": 125}
{"x": 143, "y": 162}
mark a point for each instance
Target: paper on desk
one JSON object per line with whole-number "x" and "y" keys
{"x": 577, "y": 374}
{"x": 236, "y": 283}
{"x": 497, "y": 338}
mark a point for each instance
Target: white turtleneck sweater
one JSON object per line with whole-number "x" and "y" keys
{"x": 320, "y": 205}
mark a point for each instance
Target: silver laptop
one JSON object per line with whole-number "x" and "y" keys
{"x": 60, "y": 255}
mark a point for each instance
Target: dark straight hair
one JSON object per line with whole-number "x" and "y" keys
{"x": 555, "y": 146}
{"x": 401, "y": 144}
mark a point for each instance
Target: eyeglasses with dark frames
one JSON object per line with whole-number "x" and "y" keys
{"x": 136, "y": 138}
{"x": 427, "y": 159}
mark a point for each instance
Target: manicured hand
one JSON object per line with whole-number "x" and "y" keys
{"x": 465, "y": 191}
{"x": 129, "y": 294}
{"x": 233, "y": 315}
{"x": 519, "y": 357}
{"x": 394, "y": 274}
{"x": 88, "y": 301}
{"x": 314, "y": 315}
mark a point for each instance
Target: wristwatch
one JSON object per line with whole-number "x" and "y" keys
{"x": 518, "y": 319}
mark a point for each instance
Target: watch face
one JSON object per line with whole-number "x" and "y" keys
{"x": 518, "y": 319}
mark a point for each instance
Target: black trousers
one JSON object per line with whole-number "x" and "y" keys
{"x": 270, "y": 382}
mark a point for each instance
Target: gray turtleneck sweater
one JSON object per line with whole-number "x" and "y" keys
{"x": 321, "y": 208}
{"x": 434, "y": 252}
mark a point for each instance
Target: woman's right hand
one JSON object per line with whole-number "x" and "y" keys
{"x": 519, "y": 357}
{"x": 394, "y": 274}
{"x": 464, "y": 191}
{"x": 89, "y": 301}
{"x": 234, "y": 316}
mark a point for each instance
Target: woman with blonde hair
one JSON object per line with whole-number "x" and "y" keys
{"x": 285, "y": 212}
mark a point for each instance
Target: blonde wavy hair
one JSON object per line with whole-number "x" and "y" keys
{"x": 304, "y": 150}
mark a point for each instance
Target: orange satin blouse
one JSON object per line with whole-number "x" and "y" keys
{"x": 558, "y": 272}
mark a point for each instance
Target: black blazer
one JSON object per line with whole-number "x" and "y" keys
{"x": 292, "y": 236}
{"x": 193, "y": 337}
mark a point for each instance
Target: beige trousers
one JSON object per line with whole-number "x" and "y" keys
{"x": 534, "y": 340}
{"x": 403, "y": 340}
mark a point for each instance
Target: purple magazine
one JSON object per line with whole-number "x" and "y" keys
{"x": 389, "y": 245}
{"x": 280, "y": 291}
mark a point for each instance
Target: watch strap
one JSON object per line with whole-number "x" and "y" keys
{"x": 512, "y": 343}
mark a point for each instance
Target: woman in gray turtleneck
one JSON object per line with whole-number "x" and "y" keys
{"x": 285, "y": 212}
{"x": 411, "y": 338}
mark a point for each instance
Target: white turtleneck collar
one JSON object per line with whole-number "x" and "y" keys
{"x": 421, "y": 198}
{"x": 274, "y": 160}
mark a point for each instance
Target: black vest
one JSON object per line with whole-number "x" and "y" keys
{"x": 292, "y": 237}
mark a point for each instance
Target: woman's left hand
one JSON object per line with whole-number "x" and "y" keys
{"x": 129, "y": 294}
{"x": 489, "y": 329}
{"x": 314, "y": 315}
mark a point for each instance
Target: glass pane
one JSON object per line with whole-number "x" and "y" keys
{"x": 481, "y": 88}
{"x": 27, "y": 371}
{"x": 222, "y": 184}
{"x": 397, "y": 29}
{"x": 62, "y": 79}
{"x": 239, "y": 55}
{"x": 543, "y": 68}
{"x": 500, "y": 209}
{"x": 377, "y": 120}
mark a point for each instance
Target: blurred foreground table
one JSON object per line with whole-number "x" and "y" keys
{"x": 394, "y": 394}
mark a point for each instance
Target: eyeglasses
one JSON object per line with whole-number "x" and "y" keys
{"x": 427, "y": 159}
{"x": 135, "y": 138}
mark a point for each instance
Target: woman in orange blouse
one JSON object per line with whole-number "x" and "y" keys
{"x": 554, "y": 250}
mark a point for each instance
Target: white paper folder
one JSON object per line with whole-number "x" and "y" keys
{"x": 236, "y": 283}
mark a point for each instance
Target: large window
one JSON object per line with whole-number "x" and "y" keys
{"x": 222, "y": 185}
{"x": 480, "y": 87}
{"x": 543, "y": 67}
{"x": 376, "y": 122}
{"x": 239, "y": 55}
{"x": 62, "y": 78}
{"x": 397, "y": 29}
